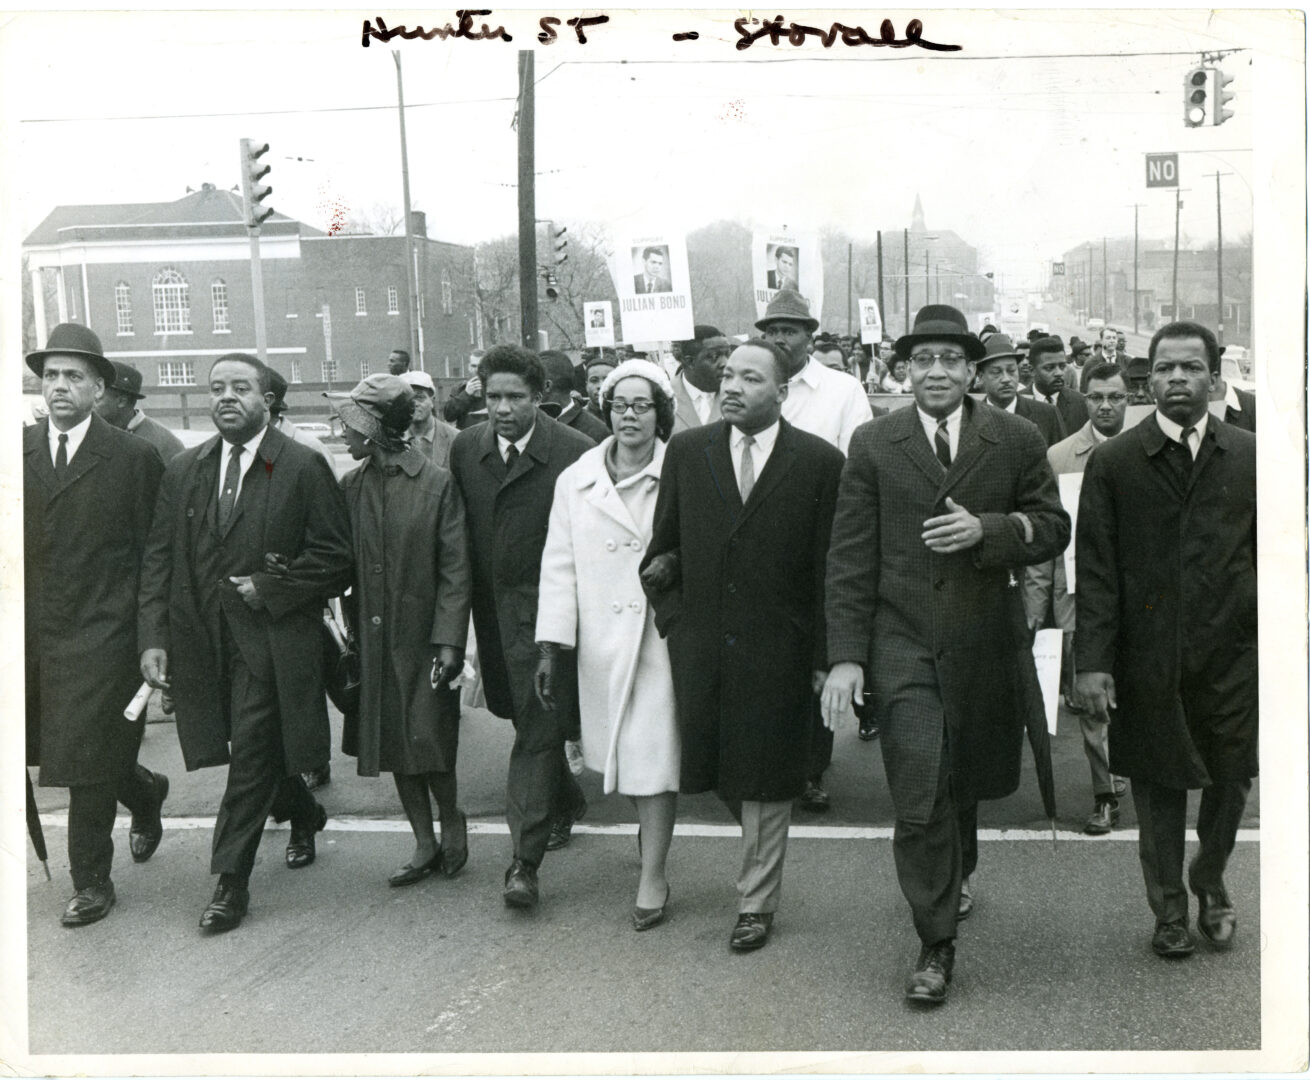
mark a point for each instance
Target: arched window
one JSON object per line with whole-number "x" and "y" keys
{"x": 123, "y": 306}
{"x": 447, "y": 294}
{"x": 172, "y": 302}
{"x": 218, "y": 293}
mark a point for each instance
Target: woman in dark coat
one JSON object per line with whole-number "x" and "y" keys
{"x": 410, "y": 611}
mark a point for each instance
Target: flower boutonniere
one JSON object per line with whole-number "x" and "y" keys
{"x": 268, "y": 469}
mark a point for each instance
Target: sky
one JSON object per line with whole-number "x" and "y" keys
{"x": 1030, "y": 140}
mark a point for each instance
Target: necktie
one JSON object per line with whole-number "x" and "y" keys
{"x": 1187, "y": 458}
{"x": 942, "y": 444}
{"x": 227, "y": 498}
{"x": 511, "y": 456}
{"x": 1050, "y": 399}
{"x": 649, "y": 285}
{"x": 61, "y": 458}
{"x": 746, "y": 480}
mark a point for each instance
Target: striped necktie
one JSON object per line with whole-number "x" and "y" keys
{"x": 942, "y": 444}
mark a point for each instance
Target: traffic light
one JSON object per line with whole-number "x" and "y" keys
{"x": 1219, "y": 81}
{"x": 552, "y": 284}
{"x": 1196, "y": 97}
{"x": 559, "y": 243}
{"x": 252, "y": 192}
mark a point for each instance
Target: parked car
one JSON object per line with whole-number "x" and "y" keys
{"x": 315, "y": 428}
{"x": 1096, "y": 324}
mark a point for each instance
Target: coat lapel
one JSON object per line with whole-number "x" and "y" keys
{"x": 778, "y": 465}
{"x": 909, "y": 433}
{"x": 90, "y": 454}
{"x": 489, "y": 454}
{"x": 977, "y": 433}
{"x": 37, "y": 448}
{"x": 1153, "y": 441}
{"x": 719, "y": 459}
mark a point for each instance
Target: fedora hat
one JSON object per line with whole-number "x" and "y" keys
{"x": 940, "y": 322}
{"x": 127, "y": 380}
{"x": 73, "y": 339}
{"x": 1077, "y": 345}
{"x": 790, "y": 305}
{"x": 998, "y": 347}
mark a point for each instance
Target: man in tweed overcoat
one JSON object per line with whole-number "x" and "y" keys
{"x": 938, "y": 505}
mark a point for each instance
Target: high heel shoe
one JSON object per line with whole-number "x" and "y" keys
{"x": 648, "y": 918}
{"x": 409, "y": 875}
{"x": 456, "y": 854}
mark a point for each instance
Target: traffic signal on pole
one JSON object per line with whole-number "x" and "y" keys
{"x": 1197, "y": 102}
{"x": 559, "y": 244}
{"x": 252, "y": 191}
{"x": 1219, "y": 98}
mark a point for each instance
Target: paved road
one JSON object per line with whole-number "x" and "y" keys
{"x": 1056, "y": 956}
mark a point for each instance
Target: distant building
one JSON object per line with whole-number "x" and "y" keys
{"x": 167, "y": 287}
{"x": 943, "y": 268}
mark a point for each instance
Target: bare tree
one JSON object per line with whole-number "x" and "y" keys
{"x": 719, "y": 260}
{"x": 381, "y": 219}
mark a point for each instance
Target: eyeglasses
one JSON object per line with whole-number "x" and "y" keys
{"x": 1102, "y": 399}
{"x": 922, "y": 361}
{"x": 641, "y": 406}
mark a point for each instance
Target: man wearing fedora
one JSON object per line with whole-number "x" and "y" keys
{"x": 250, "y": 539}
{"x": 120, "y": 407}
{"x": 831, "y": 405}
{"x": 88, "y": 493}
{"x": 998, "y": 376}
{"x": 938, "y": 505}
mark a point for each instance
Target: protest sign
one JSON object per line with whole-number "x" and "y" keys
{"x": 1071, "y": 487}
{"x": 598, "y": 323}
{"x": 786, "y": 260}
{"x": 654, "y": 287}
{"x": 870, "y": 322}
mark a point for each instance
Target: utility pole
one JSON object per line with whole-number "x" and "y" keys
{"x": 1178, "y": 206}
{"x": 527, "y": 202}
{"x": 881, "y": 308}
{"x": 1091, "y": 292}
{"x": 1105, "y": 283}
{"x": 411, "y": 270}
{"x": 850, "y": 284}
{"x": 906, "y": 264}
{"x": 1136, "y": 206}
{"x": 1219, "y": 261}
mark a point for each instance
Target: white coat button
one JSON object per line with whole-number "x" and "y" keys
{"x": 616, "y": 607}
{"x": 635, "y": 605}
{"x": 635, "y": 545}
{"x": 610, "y": 545}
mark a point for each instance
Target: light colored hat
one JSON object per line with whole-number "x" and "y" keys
{"x": 651, "y": 372}
{"x": 420, "y": 380}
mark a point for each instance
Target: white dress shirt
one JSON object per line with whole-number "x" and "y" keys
{"x": 702, "y": 401}
{"x": 248, "y": 450}
{"x": 953, "y": 422}
{"x": 760, "y": 451}
{"x": 1175, "y": 431}
{"x": 504, "y": 444}
{"x": 826, "y": 403}
{"x": 75, "y": 436}
{"x": 1231, "y": 400}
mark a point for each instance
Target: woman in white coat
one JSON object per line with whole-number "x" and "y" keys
{"x": 591, "y": 600}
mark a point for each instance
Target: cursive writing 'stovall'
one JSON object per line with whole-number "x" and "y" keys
{"x": 384, "y": 33}
{"x": 797, "y": 34}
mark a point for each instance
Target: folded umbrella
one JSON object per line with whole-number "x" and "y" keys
{"x": 34, "y": 829}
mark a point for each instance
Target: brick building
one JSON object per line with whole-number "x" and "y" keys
{"x": 167, "y": 287}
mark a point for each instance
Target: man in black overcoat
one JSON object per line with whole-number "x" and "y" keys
{"x": 735, "y": 573}
{"x": 506, "y": 471}
{"x": 1166, "y": 643}
{"x": 88, "y": 492}
{"x": 1053, "y": 384}
{"x": 939, "y": 506}
{"x": 249, "y": 541}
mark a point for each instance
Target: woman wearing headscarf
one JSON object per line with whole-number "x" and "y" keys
{"x": 410, "y": 612}
{"x": 591, "y": 600}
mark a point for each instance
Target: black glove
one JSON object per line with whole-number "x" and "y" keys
{"x": 446, "y": 666}
{"x": 543, "y": 681}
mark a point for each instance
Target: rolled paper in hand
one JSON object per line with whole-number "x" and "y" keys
{"x": 137, "y": 705}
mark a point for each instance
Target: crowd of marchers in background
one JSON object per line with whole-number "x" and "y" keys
{"x": 683, "y": 573}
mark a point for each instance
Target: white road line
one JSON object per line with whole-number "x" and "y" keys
{"x": 800, "y": 832}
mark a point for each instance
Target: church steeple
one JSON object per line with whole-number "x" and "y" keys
{"x": 916, "y": 222}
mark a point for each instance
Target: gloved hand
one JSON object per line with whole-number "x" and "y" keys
{"x": 446, "y": 665}
{"x": 543, "y": 681}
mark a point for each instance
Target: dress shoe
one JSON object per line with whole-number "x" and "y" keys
{"x": 89, "y": 905}
{"x": 1216, "y": 921}
{"x": 868, "y": 729}
{"x": 317, "y": 778}
{"x": 455, "y": 845}
{"x": 148, "y": 829}
{"x": 1172, "y": 940}
{"x": 966, "y": 900}
{"x": 561, "y": 829}
{"x": 1105, "y": 816}
{"x": 644, "y": 918}
{"x": 301, "y": 850}
{"x": 932, "y": 974}
{"x": 409, "y": 874}
{"x": 226, "y": 909}
{"x": 520, "y": 885}
{"x": 751, "y": 931}
{"x": 814, "y": 799}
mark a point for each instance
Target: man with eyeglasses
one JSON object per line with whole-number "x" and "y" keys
{"x": 937, "y": 505}
{"x": 1053, "y": 384}
{"x": 998, "y": 376}
{"x": 1045, "y": 585}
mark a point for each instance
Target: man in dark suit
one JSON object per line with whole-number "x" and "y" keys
{"x": 654, "y": 277}
{"x": 120, "y": 407}
{"x": 250, "y": 539}
{"x": 998, "y": 375}
{"x": 1052, "y": 384}
{"x": 735, "y": 571}
{"x": 696, "y": 386}
{"x": 939, "y": 504}
{"x": 88, "y": 492}
{"x": 783, "y": 275}
{"x": 1166, "y": 645}
{"x": 506, "y": 471}
{"x": 558, "y": 402}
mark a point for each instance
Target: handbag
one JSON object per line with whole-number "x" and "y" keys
{"x": 340, "y": 666}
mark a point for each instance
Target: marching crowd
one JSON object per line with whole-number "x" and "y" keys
{"x": 691, "y": 574}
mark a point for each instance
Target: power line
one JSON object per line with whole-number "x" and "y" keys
{"x": 260, "y": 112}
{"x": 863, "y": 58}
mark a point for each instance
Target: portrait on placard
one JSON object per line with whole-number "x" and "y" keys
{"x": 654, "y": 287}
{"x": 598, "y": 328}
{"x": 786, "y": 260}
{"x": 651, "y": 269}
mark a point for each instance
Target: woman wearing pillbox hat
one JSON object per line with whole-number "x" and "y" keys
{"x": 410, "y": 616}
